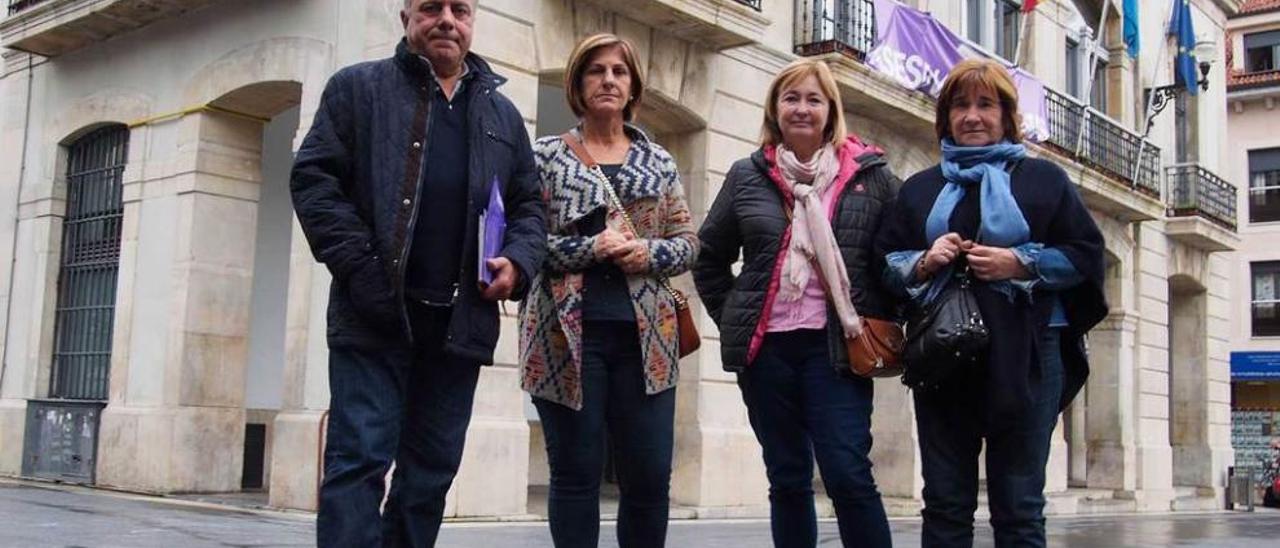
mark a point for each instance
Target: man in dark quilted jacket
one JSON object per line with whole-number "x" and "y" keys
{"x": 388, "y": 186}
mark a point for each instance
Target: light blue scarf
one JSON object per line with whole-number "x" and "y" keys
{"x": 962, "y": 167}
{"x": 1002, "y": 222}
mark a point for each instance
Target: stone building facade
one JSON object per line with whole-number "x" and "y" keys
{"x": 216, "y": 312}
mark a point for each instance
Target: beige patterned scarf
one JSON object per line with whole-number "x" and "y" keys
{"x": 811, "y": 235}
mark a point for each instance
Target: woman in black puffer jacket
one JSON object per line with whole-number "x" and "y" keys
{"x": 803, "y": 208}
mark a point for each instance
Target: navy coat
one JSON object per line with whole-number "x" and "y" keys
{"x": 1057, "y": 218}
{"x": 357, "y": 179}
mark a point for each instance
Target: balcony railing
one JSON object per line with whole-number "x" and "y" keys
{"x": 753, "y": 4}
{"x": 824, "y": 26}
{"x": 1194, "y": 190}
{"x": 16, "y": 6}
{"x": 1107, "y": 146}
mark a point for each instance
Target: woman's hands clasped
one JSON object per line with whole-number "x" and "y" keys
{"x": 623, "y": 249}
{"x": 989, "y": 264}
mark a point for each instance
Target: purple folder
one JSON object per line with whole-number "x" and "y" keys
{"x": 493, "y": 226}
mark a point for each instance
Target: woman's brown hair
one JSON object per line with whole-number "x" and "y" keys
{"x": 980, "y": 74}
{"x": 581, "y": 58}
{"x": 836, "y": 132}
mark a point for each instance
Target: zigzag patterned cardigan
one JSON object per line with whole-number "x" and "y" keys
{"x": 551, "y": 316}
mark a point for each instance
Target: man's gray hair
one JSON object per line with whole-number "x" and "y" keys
{"x": 409, "y": 3}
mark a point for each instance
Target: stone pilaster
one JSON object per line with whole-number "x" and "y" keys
{"x": 1110, "y": 412}
{"x": 177, "y": 386}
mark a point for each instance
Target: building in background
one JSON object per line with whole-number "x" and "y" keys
{"x": 1253, "y": 89}
{"x": 164, "y": 322}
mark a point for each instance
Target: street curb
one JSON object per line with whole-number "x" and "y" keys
{"x": 679, "y": 514}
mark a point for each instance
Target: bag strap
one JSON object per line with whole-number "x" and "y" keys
{"x": 817, "y": 271}
{"x": 579, "y": 150}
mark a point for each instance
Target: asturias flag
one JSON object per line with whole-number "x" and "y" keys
{"x": 1184, "y": 65}
{"x": 1131, "y": 32}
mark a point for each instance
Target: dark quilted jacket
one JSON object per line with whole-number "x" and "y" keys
{"x": 748, "y": 216}
{"x": 357, "y": 179}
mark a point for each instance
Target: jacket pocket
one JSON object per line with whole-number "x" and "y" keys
{"x": 498, "y": 151}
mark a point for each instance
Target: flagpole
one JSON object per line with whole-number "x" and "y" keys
{"x": 1022, "y": 37}
{"x": 1151, "y": 99}
{"x": 1098, "y": 33}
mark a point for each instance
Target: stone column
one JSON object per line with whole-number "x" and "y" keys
{"x": 1110, "y": 414}
{"x": 895, "y": 451}
{"x": 1154, "y": 490}
{"x": 298, "y": 432}
{"x": 718, "y": 463}
{"x": 1056, "y": 470}
{"x": 1218, "y": 374}
{"x": 494, "y": 477}
{"x": 1189, "y": 389}
{"x": 175, "y": 418}
{"x": 1078, "y": 451}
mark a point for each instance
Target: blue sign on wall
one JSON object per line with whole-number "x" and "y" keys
{"x": 1255, "y": 366}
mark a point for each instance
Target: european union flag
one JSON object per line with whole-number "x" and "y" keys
{"x": 1184, "y": 64}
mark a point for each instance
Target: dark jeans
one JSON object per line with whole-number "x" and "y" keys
{"x": 410, "y": 405}
{"x": 951, "y": 424}
{"x": 641, "y": 428}
{"x": 800, "y": 407}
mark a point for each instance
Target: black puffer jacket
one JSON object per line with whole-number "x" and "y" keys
{"x": 357, "y": 180}
{"x": 748, "y": 217}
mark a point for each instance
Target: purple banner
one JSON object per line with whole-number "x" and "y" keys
{"x": 918, "y": 52}
{"x": 1031, "y": 104}
{"x": 915, "y": 50}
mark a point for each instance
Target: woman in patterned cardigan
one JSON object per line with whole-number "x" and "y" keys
{"x": 598, "y": 332}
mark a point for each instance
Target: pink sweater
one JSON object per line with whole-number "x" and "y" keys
{"x": 810, "y": 311}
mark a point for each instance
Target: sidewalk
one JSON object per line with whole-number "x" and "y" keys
{"x": 55, "y": 515}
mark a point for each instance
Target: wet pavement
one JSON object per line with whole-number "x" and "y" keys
{"x": 34, "y": 515}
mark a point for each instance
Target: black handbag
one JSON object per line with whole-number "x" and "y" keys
{"x": 944, "y": 336}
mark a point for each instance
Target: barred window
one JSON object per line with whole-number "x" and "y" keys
{"x": 89, "y": 265}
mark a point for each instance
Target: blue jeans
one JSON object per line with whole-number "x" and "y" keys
{"x": 641, "y": 428}
{"x": 952, "y": 429}
{"x": 410, "y": 405}
{"x": 800, "y": 407}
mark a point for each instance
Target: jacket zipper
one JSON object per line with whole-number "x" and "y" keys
{"x": 476, "y": 137}
{"x": 413, "y": 219}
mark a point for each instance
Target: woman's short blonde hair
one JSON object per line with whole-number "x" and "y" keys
{"x": 980, "y": 74}
{"x": 581, "y": 57}
{"x": 835, "y": 132}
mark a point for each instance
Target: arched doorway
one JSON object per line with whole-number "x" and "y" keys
{"x": 191, "y": 283}
{"x": 275, "y": 106}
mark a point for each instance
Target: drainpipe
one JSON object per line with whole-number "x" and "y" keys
{"x": 22, "y": 175}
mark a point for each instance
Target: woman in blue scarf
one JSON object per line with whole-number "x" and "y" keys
{"x": 1036, "y": 259}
